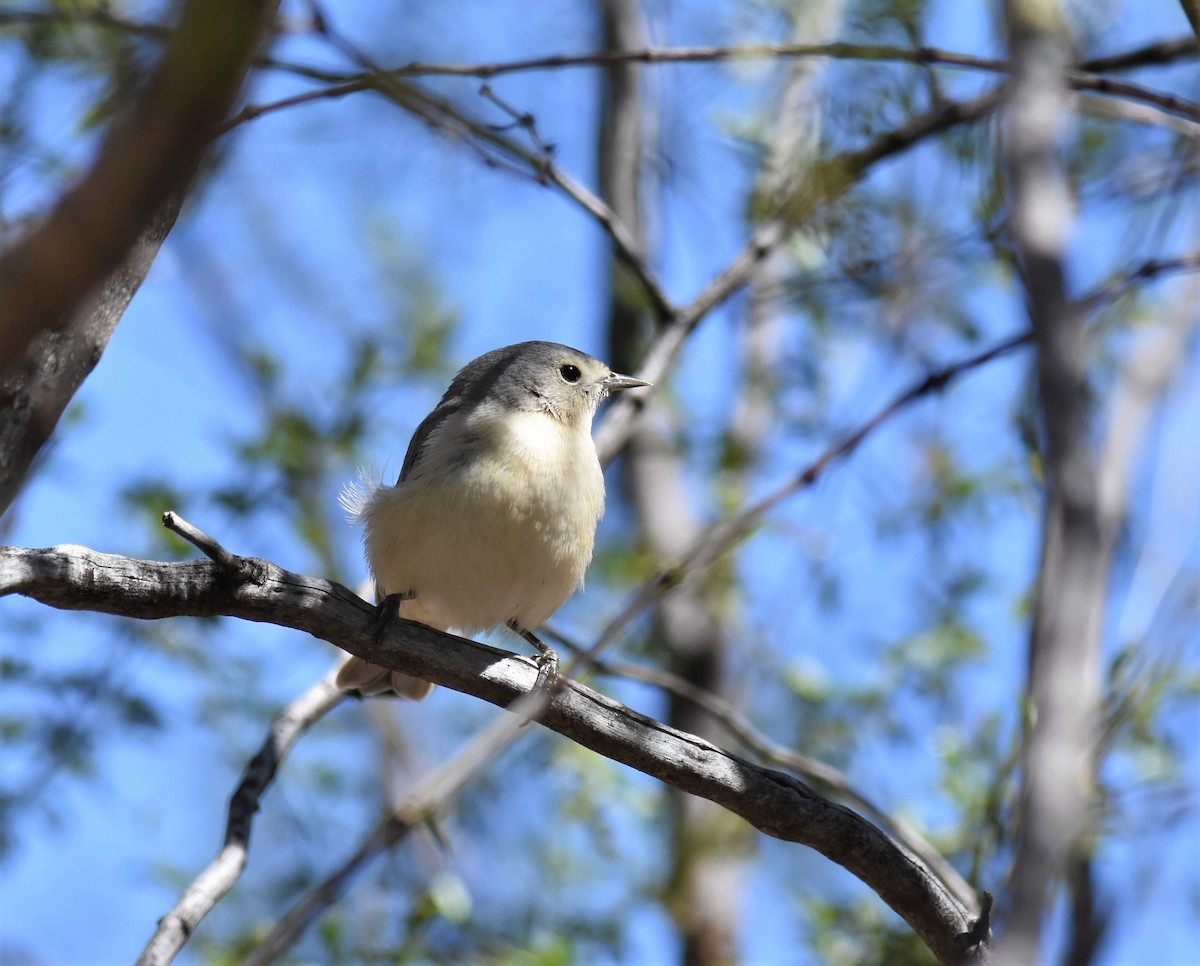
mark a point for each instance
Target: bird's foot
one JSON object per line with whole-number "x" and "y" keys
{"x": 546, "y": 661}
{"x": 386, "y": 611}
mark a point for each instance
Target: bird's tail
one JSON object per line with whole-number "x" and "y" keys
{"x": 368, "y": 680}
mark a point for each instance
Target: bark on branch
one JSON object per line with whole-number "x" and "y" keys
{"x": 77, "y": 578}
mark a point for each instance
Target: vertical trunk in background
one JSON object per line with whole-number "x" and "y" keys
{"x": 708, "y": 844}
{"x": 1058, "y": 806}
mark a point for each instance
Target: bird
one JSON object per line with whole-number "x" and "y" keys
{"x": 493, "y": 518}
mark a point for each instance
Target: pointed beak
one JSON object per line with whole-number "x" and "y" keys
{"x": 614, "y": 381}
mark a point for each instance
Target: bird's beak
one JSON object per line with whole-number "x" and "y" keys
{"x": 615, "y": 380}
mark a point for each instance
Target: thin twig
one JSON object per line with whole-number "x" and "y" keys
{"x": 206, "y": 544}
{"x": 1149, "y": 270}
{"x": 720, "y": 537}
{"x": 539, "y": 159}
{"x": 1157, "y": 54}
{"x": 1089, "y": 76}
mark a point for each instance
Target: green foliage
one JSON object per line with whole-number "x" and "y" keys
{"x": 861, "y": 934}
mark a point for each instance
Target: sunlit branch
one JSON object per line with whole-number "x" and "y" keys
{"x": 206, "y": 890}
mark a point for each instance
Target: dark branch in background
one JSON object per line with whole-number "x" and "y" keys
{"x": 65, "y": 284}
{"x": 427, "y": 800}
{"x": 827, "y": 779}
{"x": 1088, "y": 76}
{"x": 176, "y": 927}
{"x": 76, "y": 578}
{"x": 1055, "y": 810}
{"x": 1191, "y": 9}
{"x": 1153, "y": 54}
{"x": 1168, "y": 110}
{"x": 1162, "y": 52}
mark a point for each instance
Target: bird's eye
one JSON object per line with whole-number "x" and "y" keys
{"x": 569, "y": 372}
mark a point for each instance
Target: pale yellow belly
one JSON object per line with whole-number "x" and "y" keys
{"x": 476, "y": 554}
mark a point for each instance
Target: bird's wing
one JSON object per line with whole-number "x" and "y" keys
{"x": 429, "y": 425}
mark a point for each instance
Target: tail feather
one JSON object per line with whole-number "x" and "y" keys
{"x": 356, "y": 495}
{"x": 368, "y": 680}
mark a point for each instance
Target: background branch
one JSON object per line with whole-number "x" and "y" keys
{"x": 1055, "y": 812}
{"x": 206, "y": 890}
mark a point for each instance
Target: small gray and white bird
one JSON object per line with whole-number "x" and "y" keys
{"x": 494, "y": 516}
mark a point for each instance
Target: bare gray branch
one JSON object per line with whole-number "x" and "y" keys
{"x": 76, "y": 578}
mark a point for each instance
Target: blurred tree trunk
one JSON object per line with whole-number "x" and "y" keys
{"x": 1058, "y": 805}
{"x": 708, "y": 845}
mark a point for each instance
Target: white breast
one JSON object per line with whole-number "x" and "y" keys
{"x": 504, "y": 535}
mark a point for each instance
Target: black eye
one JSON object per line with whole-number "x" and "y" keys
{"x": 569, "y": 372}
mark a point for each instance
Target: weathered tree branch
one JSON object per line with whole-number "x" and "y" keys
{"x": 827, "y": 779}
{"x": 76, "y": 578}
